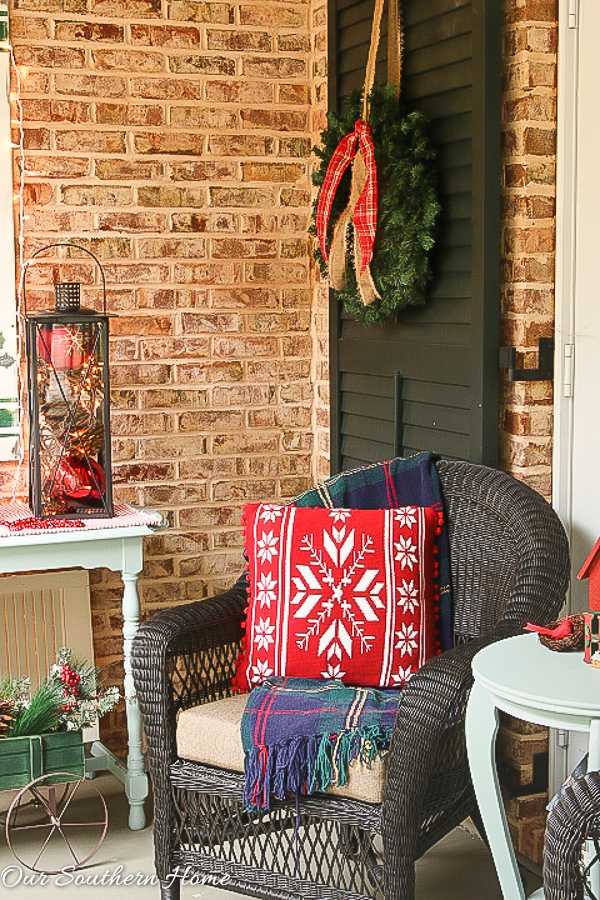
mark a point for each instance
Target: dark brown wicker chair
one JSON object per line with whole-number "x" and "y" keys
{"x": 510, "y": 564}
{"x": 574, "y": 818}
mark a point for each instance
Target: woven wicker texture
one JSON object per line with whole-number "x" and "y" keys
{"x": 574, "y": 818}
{"x": 510, "y": 565}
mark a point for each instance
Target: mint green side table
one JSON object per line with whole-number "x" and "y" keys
{"x": 522, "y": 677}
{"x": 121, "y": 550}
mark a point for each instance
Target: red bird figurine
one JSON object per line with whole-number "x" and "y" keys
{"x": 564, "y": 628}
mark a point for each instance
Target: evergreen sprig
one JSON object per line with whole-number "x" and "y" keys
{"x": 42, "y": 714}
{"x": 408, "y": 204}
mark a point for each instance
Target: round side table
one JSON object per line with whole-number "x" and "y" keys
{"x": 522, "y": 677}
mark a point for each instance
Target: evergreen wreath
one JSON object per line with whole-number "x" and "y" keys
{"x": 408, "y": 204}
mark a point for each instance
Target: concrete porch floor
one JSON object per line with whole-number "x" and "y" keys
{"x": 458, "y": 868}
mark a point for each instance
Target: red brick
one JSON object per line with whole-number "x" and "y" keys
{"x": 198, "y": 11}
{"x": 165, "y": 36}
{"x": 238, "y": 41}
{"x": 209, "y": 373}
{"x": 232, "y": 248}
{"x": 166, "y": 88}
{"x": 278, "y": 15}
{"x": 50, "y": 57}
{"x": 36, "y": 138}
{"x": 93, "y": 195}
{"x": 206, "y": 273}
{"x": 129, "y": 114}
{"x": 88, "y": 31}
{"x": 236, "y": 298}
{"x": 240, "y": 145}
{"x": 293, "y": 43}
{"x": 274, "y": 67}
{"x": 273, "y": 172}
{"x": 298, "y": 94}
{"x": 198, "y": 222}
{"x": 134, "y": 9}
{"x": 245, "y": 91}
{"x": 175, "y": 348}
{"x": 287, "y": 272}
{"x": 104, "y": 86}
{"x": 135, "y": 221}
{"x": 200, "y": 64}
{"x": 210, "y": 420}
{"x": 203, "y": 171}
{"x": 202, "y": 117}
{"x": 245, "y": 346}
{"x": 178, "y": 248}
{"x": 218, "y": 323}
{"x": 169, "y": 298}
{"x": 128, "y": 170}
{"x": 276, "y": 120}
{"x": 241, "y": 197}
{"x": 175, "y": 398}
{"x": 170, "y": 142}
{"x": 128, "y": 60}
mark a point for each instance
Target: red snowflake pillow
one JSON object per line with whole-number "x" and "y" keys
{"x": 339, "y": 593}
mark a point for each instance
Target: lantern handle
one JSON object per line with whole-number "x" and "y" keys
{"x": 62, "y": 244}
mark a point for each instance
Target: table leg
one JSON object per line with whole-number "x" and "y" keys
{"x": 136, "y": 786}
{"x": 481, "y": 729}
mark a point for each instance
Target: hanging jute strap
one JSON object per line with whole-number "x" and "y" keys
{"x": 357, "y": 148}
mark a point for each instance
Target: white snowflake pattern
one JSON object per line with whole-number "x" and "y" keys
{"x": 409, "y": 596}
{"x": 265, "y": 589}
{"x": 340, "y": 515}
{"x": 333, "y": 671}
{"x": 263, "y": 634}
{"x": 260, "y": 671}
{"x": 403, "y": 675}
{"x": 270, "y": 513}
{"x": 406, "y": 516}
{"x": 406, "y": 552}
{"x": 267, "y": 546}
{"x": 407, "y": 639}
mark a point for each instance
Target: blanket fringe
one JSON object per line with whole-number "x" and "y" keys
{"x": 305, "y": 765}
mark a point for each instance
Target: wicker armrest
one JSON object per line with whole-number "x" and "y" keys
{"x": 430, "y": 721}
{"x": 575, "y": 813}
{"x": 167, "y": 661}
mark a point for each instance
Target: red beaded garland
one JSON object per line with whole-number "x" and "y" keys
{"x": 36, "y": 524}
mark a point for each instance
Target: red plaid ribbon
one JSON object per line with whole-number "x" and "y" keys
{"x": 364, "y": 216}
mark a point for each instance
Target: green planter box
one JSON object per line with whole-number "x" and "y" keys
{"x": 24, "y": 758}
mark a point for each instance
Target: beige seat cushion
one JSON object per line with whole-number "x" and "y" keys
{"x": 210, "y": 734}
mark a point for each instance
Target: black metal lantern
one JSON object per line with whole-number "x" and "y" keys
{"x": 69, "y": 404}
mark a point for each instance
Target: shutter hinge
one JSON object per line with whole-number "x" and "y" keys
{"x": 562, "y": 738}
{"x": 573, "y": 13}
{"x": 568, "y": 365}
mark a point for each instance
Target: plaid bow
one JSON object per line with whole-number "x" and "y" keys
{"x": 364, "y": 216}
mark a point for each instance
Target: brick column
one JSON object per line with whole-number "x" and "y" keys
{"x": 530, "y": 32}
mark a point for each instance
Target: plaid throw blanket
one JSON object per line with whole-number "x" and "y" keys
{"x": 300, "y": 735}
{"x": 413, "y": 481}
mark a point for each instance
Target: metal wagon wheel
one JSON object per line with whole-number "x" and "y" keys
{"x": 49, "y": 818}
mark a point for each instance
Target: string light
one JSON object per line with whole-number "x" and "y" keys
{"x": 19, "y": 198}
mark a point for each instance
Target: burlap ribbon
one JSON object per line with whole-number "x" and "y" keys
{"x": 361, "y": 210}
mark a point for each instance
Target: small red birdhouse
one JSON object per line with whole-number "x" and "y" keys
{"x": 591, "y": 570}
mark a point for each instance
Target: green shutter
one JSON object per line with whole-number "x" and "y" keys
{"x": 430, "y": 380}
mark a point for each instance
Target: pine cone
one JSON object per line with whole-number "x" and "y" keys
{"x": 6, "y": 717}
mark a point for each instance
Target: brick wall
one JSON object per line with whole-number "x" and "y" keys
{"x": 530, "y": 33}
{"x": 173, "y": 139}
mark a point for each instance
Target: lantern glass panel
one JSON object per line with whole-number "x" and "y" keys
{"x": 71, "y": 444}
